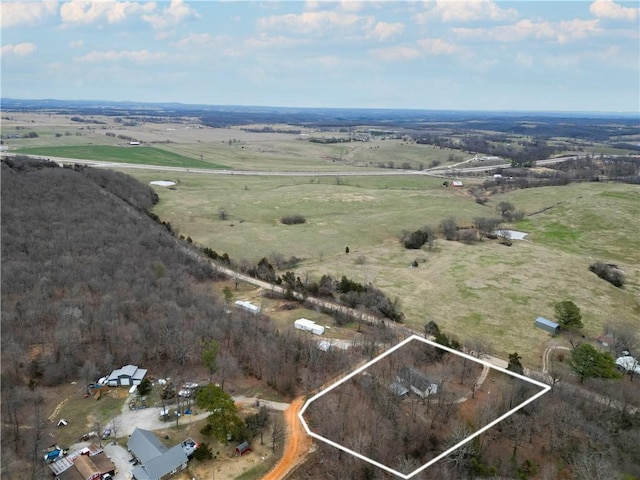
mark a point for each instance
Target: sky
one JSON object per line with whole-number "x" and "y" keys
{"x": 433, "y": 54}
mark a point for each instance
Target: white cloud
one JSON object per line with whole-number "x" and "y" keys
{"x": 86, "y": 12}
{"x": 610, "y": 9}
{"x": 315, "y": 22}
{"x": 352, "y": 5}
{"x": 194, "y": 39}
{"x": 265, "y": 41}
{"x": 526, "y": 30}
{"x": 76, "y": 44}
{"x": 465, "y": 11}
{"x": 383, "y": 30}
{"x": 25, "y": 13}
{"x": 19, "y": 50}
{"x": 177, "y": 12}
{"x": 135, "y": 56}
{"x": 437, "y": 46}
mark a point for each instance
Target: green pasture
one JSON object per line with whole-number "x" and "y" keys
{"x": 484, "y": 290}
{"x": 285, "y": 154}
{"x": 124, "y": 154}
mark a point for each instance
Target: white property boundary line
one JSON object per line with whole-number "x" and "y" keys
{"x": 545, "y": 388}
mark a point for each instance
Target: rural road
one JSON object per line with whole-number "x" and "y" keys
{"x": 437, "y": 171}
{"x": 297, "y": 443}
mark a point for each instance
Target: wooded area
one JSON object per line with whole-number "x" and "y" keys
{"x": 90, "y": 281}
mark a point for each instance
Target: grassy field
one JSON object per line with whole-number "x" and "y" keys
{"x": 122, "y": 154}
{"x": 484, "y": 290}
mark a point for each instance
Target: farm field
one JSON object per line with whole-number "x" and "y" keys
{"x": 485, "y": 290}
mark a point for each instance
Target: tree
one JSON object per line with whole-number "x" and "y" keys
{"x": 449, "y": 228}
{"x": 587, "y": 362}
{"x": 209, "y": 356}
{"x": 145, "y": 386}
{"x": 223, "y": 417}
{"x": 514, "y": 363}
{"x": 431, "y": 329}
{"x": 257, "y": 422}
{"x": 203, "y": 452}
{"x": 568, "y": 315}
{"x": 506, "y": 210}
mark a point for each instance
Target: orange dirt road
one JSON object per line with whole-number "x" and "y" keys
{"x": 296, "y": 446}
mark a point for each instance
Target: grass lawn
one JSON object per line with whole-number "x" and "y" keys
{"x": 84, "y": 414}
{"x": 124, "y": 154}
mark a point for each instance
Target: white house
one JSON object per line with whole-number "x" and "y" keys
{"x": 308, "y": 326}
{"x": 248, "y": 306}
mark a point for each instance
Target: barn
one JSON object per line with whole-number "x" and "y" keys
{"x": 127, "y": 375}
{"x": 547, "y": 325}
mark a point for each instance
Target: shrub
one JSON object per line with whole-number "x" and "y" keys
{"x": 293, "y": 219}
{"x": 608, "y": 272}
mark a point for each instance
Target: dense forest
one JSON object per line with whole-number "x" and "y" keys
{"x": 91, "y": 282}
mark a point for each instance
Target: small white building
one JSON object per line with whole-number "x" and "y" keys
{"x": 248, "y": 306}
{"x": 628, "y": 364}
{"x": 309, "y": 326}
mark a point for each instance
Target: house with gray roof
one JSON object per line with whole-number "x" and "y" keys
{"x": 417, "y": 382}
{"x": 157, "y": 462}
{"x": 127, "y": 375}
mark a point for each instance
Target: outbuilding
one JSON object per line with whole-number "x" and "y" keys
{"x": 127, "y": 375}
{"x": 309, "y": 326}
{"x": 243, "y": 448}
{"x": 547, "y": 325}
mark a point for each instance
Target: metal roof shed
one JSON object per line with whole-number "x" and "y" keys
{"x": 547, "y": 325}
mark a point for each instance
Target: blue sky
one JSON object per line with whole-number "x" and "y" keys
{"x": 452, "y": 55}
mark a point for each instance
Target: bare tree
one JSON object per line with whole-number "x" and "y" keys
{"x": 277, "y": 433}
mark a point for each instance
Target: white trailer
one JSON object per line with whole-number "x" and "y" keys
{"x": 309, "y": 326}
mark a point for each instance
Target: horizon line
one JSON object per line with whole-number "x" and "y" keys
{"x": 415, "y": 109}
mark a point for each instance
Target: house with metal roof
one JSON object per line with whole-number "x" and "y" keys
{"x": 547, "y": 325}
{"x": 417, "y": 382}
{"x": 157, "y": 462}
{"x": 127, "y": 375}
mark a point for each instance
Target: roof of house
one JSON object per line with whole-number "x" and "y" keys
{"x": 144, "y": 445}
{"x": 128, "y": 371}
{"x": 156, "y": 460}
{"x": 86, "y": 467}
{"x": 398, "y": 389}
{"x": 103, "y": 463}
{"x": 547, "y": 322}
{"x": 165, "y": 463}
{"x": 414, "y": 378}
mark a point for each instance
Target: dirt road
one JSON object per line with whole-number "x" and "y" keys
{"x": 296, "y": 445}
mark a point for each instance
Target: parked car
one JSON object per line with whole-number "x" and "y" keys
{"x": 106, "y": 434}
